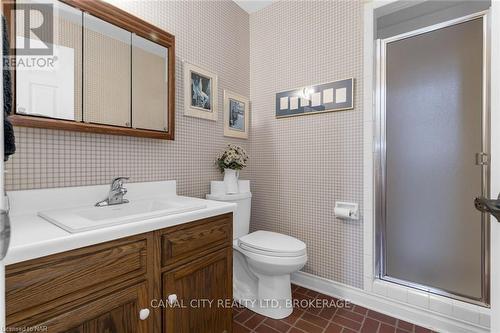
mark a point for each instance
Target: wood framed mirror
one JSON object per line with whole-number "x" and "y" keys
{"x": 111, "y": 72}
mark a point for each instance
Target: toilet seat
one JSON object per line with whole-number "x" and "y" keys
{"x": 272, "y": 244}
{"x": 270, "y": 259}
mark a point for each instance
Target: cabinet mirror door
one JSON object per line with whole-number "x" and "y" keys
{"x": 106, "y": 73}
{"x": 52, "y": 86}
{"x": 149, "y": 85}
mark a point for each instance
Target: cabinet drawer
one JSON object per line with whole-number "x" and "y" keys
{"x": 36, "y": 282}
{"x": 196, "y": 238}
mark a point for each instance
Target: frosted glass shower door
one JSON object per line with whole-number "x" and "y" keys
{"x": 432, "y": 237}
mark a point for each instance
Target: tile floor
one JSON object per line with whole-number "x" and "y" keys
{"x": 349, "y": 319}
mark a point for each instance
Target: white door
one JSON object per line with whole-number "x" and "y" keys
{"x": 47, "y": 92}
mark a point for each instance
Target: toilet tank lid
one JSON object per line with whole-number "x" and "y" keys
{"x": 229, "y": 197}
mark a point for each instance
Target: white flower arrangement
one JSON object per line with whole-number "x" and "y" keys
{"x": 233, "y": 157}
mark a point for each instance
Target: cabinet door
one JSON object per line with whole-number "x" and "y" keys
{"x": 106, "y": 73}
{"x": 149, "y": 85}
{"x": 206, "y": 279}
{"x": 114, "y": 313}
{"x": 52, "y": 91}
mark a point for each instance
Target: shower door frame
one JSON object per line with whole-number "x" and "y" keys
{"x": 380, "y": 161}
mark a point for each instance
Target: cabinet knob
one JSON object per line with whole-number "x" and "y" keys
{"x": 144, "y": 314}
{"x": 172, "y": 299}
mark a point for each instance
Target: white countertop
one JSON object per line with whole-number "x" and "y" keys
{"x": 33, "y": 237}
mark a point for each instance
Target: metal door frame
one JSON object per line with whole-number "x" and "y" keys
{"x": 380, "y": 161}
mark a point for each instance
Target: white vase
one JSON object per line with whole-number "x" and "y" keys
{"x": 231, "y": 180}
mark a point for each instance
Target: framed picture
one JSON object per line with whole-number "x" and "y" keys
{"x": 319, "y": 98}
{"x": 236, "y": 115}
{"x": 200, "y": 92}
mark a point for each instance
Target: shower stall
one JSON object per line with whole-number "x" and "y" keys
{"x": 432, "y": 154}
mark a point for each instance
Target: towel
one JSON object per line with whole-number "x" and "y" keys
{"x": 8, "y": 129}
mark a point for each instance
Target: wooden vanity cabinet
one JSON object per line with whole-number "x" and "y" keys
{"x": 104, "y": 287}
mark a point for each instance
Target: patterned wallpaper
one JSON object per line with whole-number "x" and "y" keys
{"x": 211, "y": 34}
{"x": 301, "y": 165}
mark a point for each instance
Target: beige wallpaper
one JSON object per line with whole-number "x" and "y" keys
{"x": 211, "y": 34}
{"x": 301, "y": 165}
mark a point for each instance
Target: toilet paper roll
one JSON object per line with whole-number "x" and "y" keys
{"x": 343, "y": 212}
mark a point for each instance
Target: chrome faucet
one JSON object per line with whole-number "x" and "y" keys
{"x": 116, "y": 193}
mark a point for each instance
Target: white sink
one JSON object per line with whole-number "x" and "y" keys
{"x": 78, "y": 219}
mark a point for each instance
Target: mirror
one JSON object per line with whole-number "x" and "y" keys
{"x": 149, "y": 84}
{"x": 113, "y": 73}
{"x": 106, "y": 73}
{"x": 52, "y": 91}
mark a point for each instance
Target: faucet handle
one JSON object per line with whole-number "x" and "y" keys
{"x": 118, "y": 182}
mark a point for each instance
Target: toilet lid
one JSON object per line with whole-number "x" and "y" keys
{"x": 272, "y": 244}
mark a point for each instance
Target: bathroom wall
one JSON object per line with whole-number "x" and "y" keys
{"x": 301, "y": 165}
{"x": 211, "y": 34}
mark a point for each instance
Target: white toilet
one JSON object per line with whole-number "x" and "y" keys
{"x": 262, "y": 262}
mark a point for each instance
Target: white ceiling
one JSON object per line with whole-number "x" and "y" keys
{"x": 252, "y": 6}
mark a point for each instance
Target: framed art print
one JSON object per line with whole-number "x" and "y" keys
{"x": 326, "y": 97}
{"x": 200, "y": 92}
{"x": 236, "y": 115}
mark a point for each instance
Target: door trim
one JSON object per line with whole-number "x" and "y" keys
{"x": 380, "y": 160}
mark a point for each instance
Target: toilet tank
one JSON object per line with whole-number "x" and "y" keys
{"x": 241, "y": 217}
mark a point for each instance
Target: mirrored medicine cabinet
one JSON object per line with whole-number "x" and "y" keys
{"x": 107, "y": 71}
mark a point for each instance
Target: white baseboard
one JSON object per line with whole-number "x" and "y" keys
{"x": 406, "y": 312}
